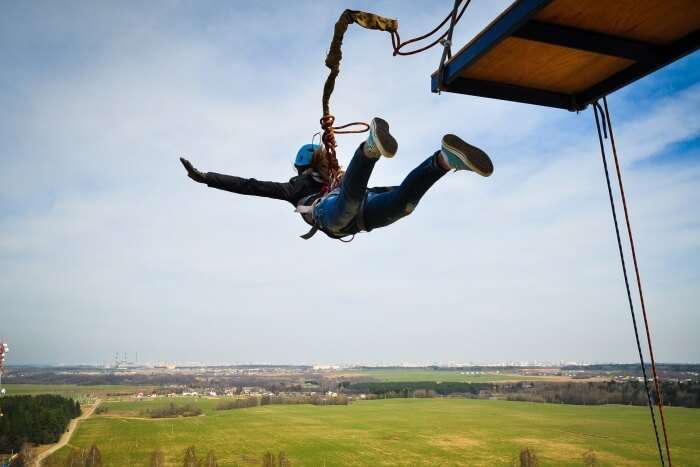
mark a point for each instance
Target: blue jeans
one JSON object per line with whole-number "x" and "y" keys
{"x": 338, "y": 214}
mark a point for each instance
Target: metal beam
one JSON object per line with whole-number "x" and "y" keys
{"x": 675, "y": 51}
{"x": 502, "y": 27}
{"x": 508, "y": 92}
{"x": 517, "y": 21}
{"x": 589, "y": 41}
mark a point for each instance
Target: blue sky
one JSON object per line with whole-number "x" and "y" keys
{"x": 106, "y": 246}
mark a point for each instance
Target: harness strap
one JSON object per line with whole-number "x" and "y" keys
{"x": 307, "y": 212}
{"x": 310, "y": 233}
{"x": 305, "y": 209}
{"x": 360, "y": 217}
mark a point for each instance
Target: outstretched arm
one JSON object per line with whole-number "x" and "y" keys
{"x": 249, "y": 186}
{"x": 243, "y": 186}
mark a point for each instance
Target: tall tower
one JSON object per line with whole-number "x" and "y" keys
{"x": 3, "y": 351}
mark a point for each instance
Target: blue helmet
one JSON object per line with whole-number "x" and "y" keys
{"x": 305, "y": 155}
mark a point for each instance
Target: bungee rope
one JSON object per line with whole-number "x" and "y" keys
{"x": 335, "y": 55}
{"x": 604, "y": 128}
{"x": 333, "y": 58}
{"x": 659, "y": 395}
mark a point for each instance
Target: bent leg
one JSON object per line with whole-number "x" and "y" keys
{"x": 384, "y": 208}
{"x": 337, "y": 210}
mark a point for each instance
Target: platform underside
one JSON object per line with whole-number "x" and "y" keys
{"x": 569, "y": 53}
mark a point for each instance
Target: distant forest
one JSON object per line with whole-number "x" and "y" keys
{"x": 417, "y": 389}
{"x": 617, "y": 368}
{"x": 674, "y": 393}
{"x": 634, "y": 368}
{"x": 34, "y": 419}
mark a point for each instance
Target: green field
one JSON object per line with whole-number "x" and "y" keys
{"x": 434, "y": 432}
{"x": 424, "y": 374}
{"x": 133, "y": 408}
{"x": 73, "y": 390}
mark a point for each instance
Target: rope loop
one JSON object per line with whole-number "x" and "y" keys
{"x": 397, "y": 45}
{"x": 329, "y": 143}
{"x": 348, "y": 125}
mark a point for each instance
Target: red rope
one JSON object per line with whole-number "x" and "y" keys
{"x": 603, "y": 133}
{"x": 398, "y": 45}
{"x": 639, "y": 282}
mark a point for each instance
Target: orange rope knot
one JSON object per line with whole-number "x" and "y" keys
{"x": 328, "y": 137}
{"x": 329, "y": 143}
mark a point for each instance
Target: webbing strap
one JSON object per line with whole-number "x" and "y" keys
{"x": 312, "y": 231}
{"x": 360, "y": 217}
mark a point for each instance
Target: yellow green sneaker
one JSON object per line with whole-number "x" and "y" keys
{"x": 380, "y": 142}
{"x": 461, "y": 155}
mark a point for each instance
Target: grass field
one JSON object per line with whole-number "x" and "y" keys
{"x": 423, "y": 374}
{"x": 73, "y": 390}
{"x": 434, "y": 432}
{"x": 133, "y": 408}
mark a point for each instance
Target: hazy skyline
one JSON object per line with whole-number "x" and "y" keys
{"x": 106, "y": 245}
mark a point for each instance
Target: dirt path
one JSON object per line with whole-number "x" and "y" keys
{"x": 65, "y": 437}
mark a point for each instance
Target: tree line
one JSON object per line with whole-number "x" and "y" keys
{"x": 190, "y": 459}
{"x": 34, "y": 419}
{"x": 418, "y": 388}
{"x": 246, "y": 402}
{"x": 634, "y": 368}
{"x": 92, "y": 457}
{"x": 172, "y": 410}
{"x": 674, "y": 393}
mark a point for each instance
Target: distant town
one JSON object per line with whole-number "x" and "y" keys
{"x": 192, "y": 379}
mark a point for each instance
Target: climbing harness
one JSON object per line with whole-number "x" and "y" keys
{"x": 307, "y": 212}
{"x": 604, "y": 127}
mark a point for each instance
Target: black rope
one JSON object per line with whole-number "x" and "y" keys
{"x": 659, "y": 397}
{"x": 447, "y": 44}
{"x": 597, "y": 108}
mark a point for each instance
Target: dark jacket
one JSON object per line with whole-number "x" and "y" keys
{"x": 294, "y": 191}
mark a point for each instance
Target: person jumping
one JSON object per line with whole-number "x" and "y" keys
{"x": 352, "y": 207}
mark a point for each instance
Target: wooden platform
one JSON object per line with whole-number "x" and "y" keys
{"x": 569, "y": 53}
